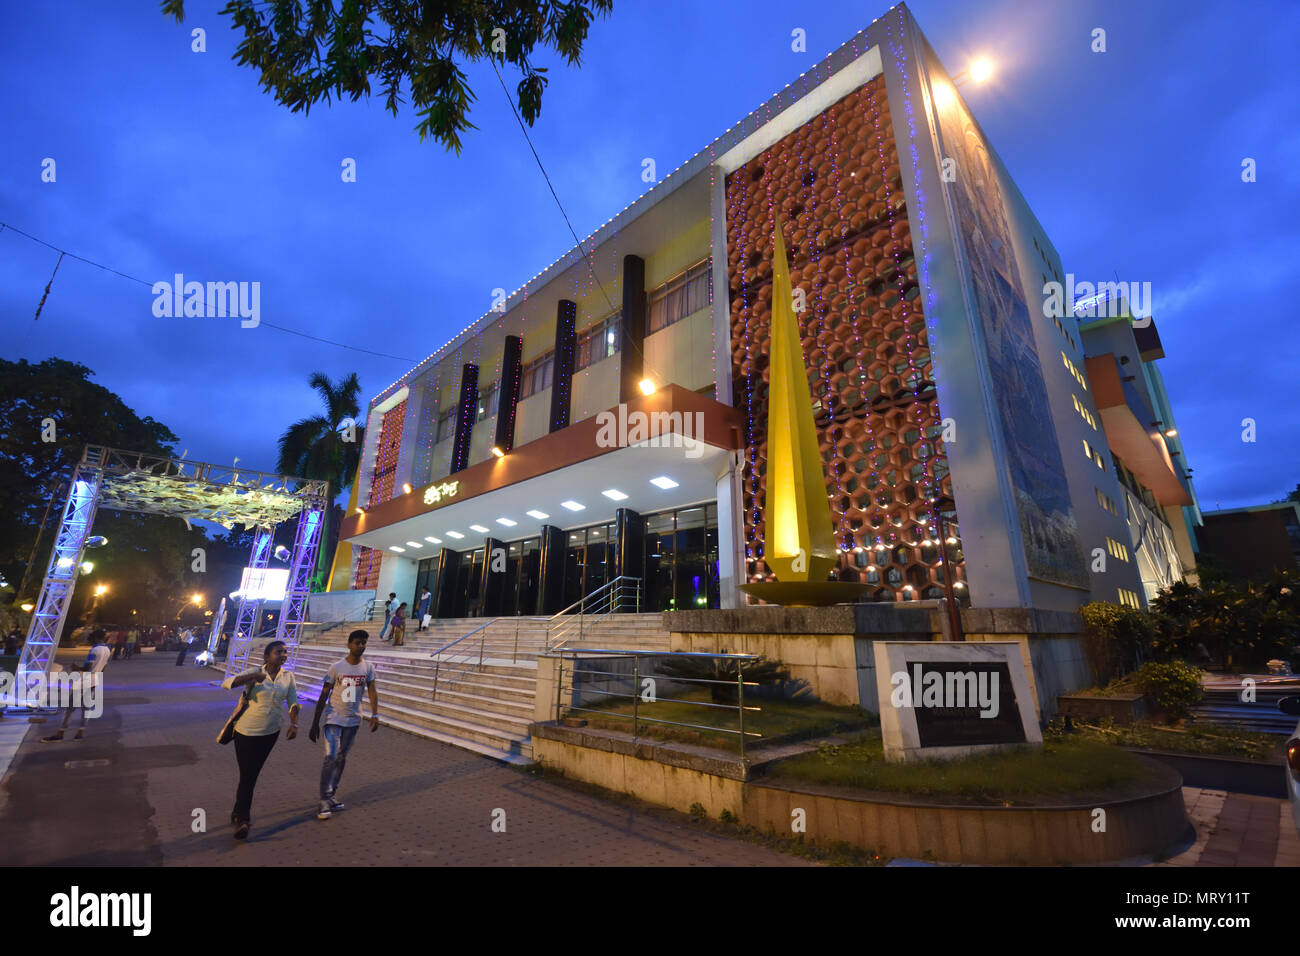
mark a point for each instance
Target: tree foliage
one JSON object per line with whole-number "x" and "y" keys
{"x": 309, "y": 51}
{"x": 31, "y": 468}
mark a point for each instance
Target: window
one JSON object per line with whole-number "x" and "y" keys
{"x": 536, "y": 376}
{"x": 680, "y": 296}
{"x": 1093, "y": 454}
{"x": 487, "y": 400}
{"x": 598, "y": 342}
{"x": 446, "y": 425}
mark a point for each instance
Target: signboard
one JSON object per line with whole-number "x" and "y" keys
{"x": 263, "y": 584}
{"x": 947, "y": 700}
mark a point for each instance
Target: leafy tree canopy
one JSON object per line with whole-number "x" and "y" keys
{"x": 313, "y": 50}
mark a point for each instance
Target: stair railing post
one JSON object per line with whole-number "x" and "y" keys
{"x": 636, "y": 686}
{"x": 740, "y": 701}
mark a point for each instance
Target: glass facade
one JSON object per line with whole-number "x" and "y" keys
{"x": 681, "y": 567}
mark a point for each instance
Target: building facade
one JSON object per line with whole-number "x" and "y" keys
{"x": 609, "y": 418}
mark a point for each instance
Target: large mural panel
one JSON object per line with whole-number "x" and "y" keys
{"x": 1049, "y": 530}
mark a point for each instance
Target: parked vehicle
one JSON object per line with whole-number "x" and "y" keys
{"x": 1291, "y": 705}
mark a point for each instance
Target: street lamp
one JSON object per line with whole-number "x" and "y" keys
{"x": 197, "y": 598}
{"x": 980, "y": 69}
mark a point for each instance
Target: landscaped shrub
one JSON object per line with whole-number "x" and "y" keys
{"x": 1117, "y": 639}
{"x": 1174, "y": 686}
{"x": 1236, "y": 624}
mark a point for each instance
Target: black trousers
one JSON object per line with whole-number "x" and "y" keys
{"x": 251, "y": 752}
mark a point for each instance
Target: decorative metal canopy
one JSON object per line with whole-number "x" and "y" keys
{"x": 158, "y": 484}
{"x": 195, "y": 490}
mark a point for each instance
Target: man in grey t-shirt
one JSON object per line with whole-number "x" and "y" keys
{"x": 340, "y": 702}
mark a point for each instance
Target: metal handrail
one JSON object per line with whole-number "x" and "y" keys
{"x": 560, "y": 624}
{"x": 437, "y": 655}
{"x": 368, "y": 609}
{"x": 740, "y": 684}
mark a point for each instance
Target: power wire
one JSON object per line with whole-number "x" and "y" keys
{"x": 144, "y": 282}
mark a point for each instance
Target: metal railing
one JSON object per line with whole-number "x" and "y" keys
{"x": 467, "y": 663}
{"x": 648, "y": 695}
{"x": 368, "y": 614}
{"x": 611, "y": 598}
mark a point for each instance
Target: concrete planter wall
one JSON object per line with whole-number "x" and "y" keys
{"x": 678, "y": 776}
{"x": 1121, "y": 708}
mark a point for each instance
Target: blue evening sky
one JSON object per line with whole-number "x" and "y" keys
{"x": 173, "y": 161}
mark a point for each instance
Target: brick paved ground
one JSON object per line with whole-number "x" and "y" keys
{"x": 126, "y": 795}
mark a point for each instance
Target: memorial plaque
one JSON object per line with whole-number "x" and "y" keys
{"x": 974, "y": 723}
{"x": 946, "y": 700}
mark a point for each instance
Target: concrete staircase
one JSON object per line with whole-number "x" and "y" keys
{"x": 486, "y": 684}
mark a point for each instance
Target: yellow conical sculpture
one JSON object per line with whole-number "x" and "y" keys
{"x": 800, "y": 540}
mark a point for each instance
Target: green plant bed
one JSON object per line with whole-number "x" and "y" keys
{"x": 1216, "y": 739}
{"x": 1064, "y": 772}
{"x": 776, "y": 720}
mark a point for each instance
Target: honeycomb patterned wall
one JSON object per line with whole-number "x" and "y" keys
{"x": 366, "y": 575}
{"x": 836, "y": 184}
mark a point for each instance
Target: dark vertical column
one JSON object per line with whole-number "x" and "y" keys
{"x": 445, "y": 600}
{"x": 629, "y": 526}
{"x": 550, "y": 586}
{"x": 566, "y": 347}
{"x": 492, "y": 589}
{"x": 631, "y": 360}
{"x": 466, "y": 412}
{"x": 511, "y": 369}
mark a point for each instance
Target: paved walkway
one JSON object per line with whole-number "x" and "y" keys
{"x": 129, "y": 792}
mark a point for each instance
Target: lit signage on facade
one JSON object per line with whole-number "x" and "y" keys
{"x": 435, "y": 493}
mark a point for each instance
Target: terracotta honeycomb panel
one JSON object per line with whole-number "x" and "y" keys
{"x": 836, "y": 184}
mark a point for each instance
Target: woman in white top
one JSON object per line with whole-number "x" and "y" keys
{"x": 268, "y": 687}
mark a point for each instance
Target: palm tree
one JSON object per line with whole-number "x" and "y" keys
{"x": 315, "y": 448}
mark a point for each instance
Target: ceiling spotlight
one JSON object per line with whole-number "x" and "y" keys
{"x": 613, "y": 494}
{"x": 647, "y": 387}
{"x": 414, "y": 544}
{"x": 479, "y": 528}
{"x": 539, "y": 515}
{"x": 432, "y": 540}
{"x": 393, "y": 547}
{"x": 573, "y": 506}
{"x": 455, "y": 534}
{"x": 507, "y": 522}
{"x": 498, "y": 452}
{"x": 1171, "y": 433}
{"x": 663, "y": 482}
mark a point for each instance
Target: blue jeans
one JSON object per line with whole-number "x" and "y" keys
{"x": 338, "y": 741}
{"x": 384, "y": 630}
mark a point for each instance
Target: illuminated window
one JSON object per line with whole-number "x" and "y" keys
{"x": 682, "y": 295}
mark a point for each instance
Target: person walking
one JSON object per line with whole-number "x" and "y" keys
{"x": 399, "y": 625}
{"x": 340, "y": 704}
{"x": 187, "y": 638}
{"x": 132, "y": 642}
{"x": 96, "y": 661}
{"x": 422, "y": 609}
{"x": 389, "y": 606}
{"x": 267, "y": 688}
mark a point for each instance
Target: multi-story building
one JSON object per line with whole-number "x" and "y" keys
{"x": 958, "y": 428}
{"x": 1255, "y": 542}
{"x": 1156, "y": 497}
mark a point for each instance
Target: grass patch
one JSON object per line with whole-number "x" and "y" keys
{"x": 1214, "y": 739}
{"x": 776, "y": 719}
{"x": 1066, "y": 770}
